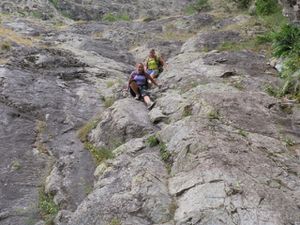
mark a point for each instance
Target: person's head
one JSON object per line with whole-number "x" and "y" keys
{"x": 140, "y": 68}
{"x": 152, "y": 53}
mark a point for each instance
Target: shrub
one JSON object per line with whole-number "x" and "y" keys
{"x": 287, "y": 41}
{"x": 198, "y": 6}
{"x": 266, "y": 7}
{"x": 286, "y": 44}
{"x": 152, "y": 141}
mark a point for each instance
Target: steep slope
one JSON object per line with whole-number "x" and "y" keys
{"x": 216, "y": 148}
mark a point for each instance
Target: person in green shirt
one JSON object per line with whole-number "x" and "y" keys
{"x": 154, "y": 64}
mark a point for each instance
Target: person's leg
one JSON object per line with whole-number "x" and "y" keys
{"x": 147, "y": 100}
{"x": 150, "y": 72}
{"x": 135, "y": 89}
{"x": 149, "y": 103}
{"x": 154, "y": 74}
{"x": 146, "y": 97}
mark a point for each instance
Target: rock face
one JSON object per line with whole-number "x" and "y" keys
{"x": 93, "y": 10}
{"x": 216, "y": 148}
{"x": 131, "y": 190}
{"x": 125, "y": 120}
{"x": 292, "y": 10}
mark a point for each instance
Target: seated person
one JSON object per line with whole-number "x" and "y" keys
{"x": 154, "y": 64}
{"x": 138, "y": 85}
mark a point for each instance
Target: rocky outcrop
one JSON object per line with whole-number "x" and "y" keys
{"x": 125, "y": 120}
{"x": 132, "y": 189}
{"x": 92, "y": 10}
{"x": 292, "y": 10}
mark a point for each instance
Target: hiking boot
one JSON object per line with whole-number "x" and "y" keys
{"x": 151, "y": 105}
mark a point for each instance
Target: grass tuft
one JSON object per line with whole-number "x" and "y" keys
{"x": 213, "y": 115}
{"x": 164, "y": 153}
{"x": 288, "y": 141}
{"x": 187, "y": 111}
{"x": 111, "y": 17}
{"x": 87, "y": 128}
{"x": 109, "y": 101}
{"x": 115, "y": 221}
{"x": 242, "y": 133}
{"x": 99, "y": 154}
{"x": 152, "y": 141}
{"x": 47, "y": 207}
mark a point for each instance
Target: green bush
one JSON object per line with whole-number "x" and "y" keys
{"x": 266, "y": 7}
{"x": 197, "y": 6}
{"x": 286, "y": 44}
{"x": 287, "y": 41}
{"x": 152, "y": 141}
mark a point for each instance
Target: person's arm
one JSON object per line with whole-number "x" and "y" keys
{"x": 130, "y": 78}
{"x": 161, "y": 61}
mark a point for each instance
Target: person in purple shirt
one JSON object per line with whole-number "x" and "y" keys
{"x": 138, "y": 85}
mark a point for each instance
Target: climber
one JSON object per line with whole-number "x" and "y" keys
{"x": 154, "y": 64}
{"x": 138, "y": 85}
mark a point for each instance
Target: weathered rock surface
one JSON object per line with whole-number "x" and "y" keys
{"x": 132, "y": 190}
{"x": 92, "y": 10}
{"x": 292, "y": 10}
{"x": 126, "y": 119}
